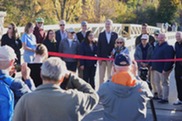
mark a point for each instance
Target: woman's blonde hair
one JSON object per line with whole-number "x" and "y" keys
{"x": 120, "y": 38}
{"x": 28, "y": 26}
{"x": 41, "y": 50}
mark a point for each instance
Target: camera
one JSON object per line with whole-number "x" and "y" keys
{"x": 143, "y": 73}
{"x": 17, "y": 67}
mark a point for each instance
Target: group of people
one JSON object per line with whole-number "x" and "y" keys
{"x": 124, "y": 92}
{"x": 155, "y": 55}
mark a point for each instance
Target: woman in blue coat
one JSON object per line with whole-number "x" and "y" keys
{"x": 88, "y": 48}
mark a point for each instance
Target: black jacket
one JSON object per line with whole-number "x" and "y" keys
{"x": 51, "y": 46}
{"x": 15, "y": 44}
{"x": 80, "y": 37}
{"x": 163, "y": 51}
{"x": 178, "y": 54}
{"x": 105, "y": 49}
{"x": 58, "y": 38}
{"x": 86, "y": 50}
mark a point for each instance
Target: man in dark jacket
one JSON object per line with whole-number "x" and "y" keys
{"x": 178, "y": 67}
{"x": 143, "y": 51}
{"x": 70, "y": 46}
{"x": 162, "y": 70}
{"x": 81, "y": 37}
{"x": 144, "y": 31}
{"x": 11, "y": 89}
{"x": 39, "y": 30}
{"x": 106, "y": 43}
{"x": 61, "y": 34}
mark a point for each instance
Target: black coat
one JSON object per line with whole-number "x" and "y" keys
{"x": 80, "y": 37}
{"x": 178, "y": 54}
{"x": 15, "y": 44}
{"x": 105, "y": 49}
{"x": 58, "y": 38}
{"x": 51, "y": 46}
{"x": 86, "y": 50}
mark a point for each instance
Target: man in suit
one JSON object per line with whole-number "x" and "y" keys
{"x": 81, "y": 37}
{"x": 106, "y": 43}
{"x": 61, "y": 34}
{"x": 144, "y": 31}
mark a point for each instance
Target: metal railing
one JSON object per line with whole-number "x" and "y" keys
{"x": 128, "y": 31}
{"x": 125, "y": 30}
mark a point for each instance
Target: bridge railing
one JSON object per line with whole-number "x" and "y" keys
{"x": 96, "y": 28}
{"x": 125, "y": 30}
{"x": 129, "y": 31}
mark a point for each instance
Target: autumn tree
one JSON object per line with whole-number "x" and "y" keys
{"x": 68, "y": 10}
{"x": 88, "y": 11}
{"x": 167, "y": 10}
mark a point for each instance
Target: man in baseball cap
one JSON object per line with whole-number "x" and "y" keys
{"x": 39, "y": 30}
{"x": 7, "y": 57}
{"x": 11, "y": 89}
{"x": 123, "y": 92}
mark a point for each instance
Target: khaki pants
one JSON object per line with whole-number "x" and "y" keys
{"x": 102, "y": 69}
{"x": 162, "y": 84}
{"x": 154, "y": 88}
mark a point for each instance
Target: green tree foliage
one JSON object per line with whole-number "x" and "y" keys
{"x": 167, "y": 10}
{"x": 88, "y": 11}
{"x": 93, "y": 11}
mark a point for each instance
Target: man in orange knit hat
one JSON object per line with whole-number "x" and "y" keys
{"x": 124, "y": 97}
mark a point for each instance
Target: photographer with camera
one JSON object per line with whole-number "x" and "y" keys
{"x": 124, "y": 94}
{"x": 11, "y": 89}
{"x": 50, "y": 102}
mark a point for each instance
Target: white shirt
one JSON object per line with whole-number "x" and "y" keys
{"x": 63, "y": 35}
{"x": 70, "y": 42}
{"x": 108, "y": 36}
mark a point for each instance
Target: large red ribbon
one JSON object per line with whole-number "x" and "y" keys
{"x": 100, "y": 58}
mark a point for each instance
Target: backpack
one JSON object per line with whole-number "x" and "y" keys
{"x": 6, "y": 98}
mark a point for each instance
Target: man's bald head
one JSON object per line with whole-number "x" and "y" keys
{"x": 162, "y": 38}
{"x": 179, "y": 36}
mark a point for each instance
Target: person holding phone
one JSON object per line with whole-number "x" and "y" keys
{"x": 53, "y": 103}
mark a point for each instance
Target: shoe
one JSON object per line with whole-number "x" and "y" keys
{"x": 156, "y": 96}
{"x": 178, "y": 102}
{"x": 162, "y": 101}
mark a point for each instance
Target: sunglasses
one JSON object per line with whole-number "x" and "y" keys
{"x": 119, "y": 42}
{"x": 52, "y": 33}
{"x": 91, "y": 35}
{"x": 40, "y": 22}
{"x": 62, "y": 24}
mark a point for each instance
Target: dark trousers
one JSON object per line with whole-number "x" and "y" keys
{"x": 178, "y": 77}
{"x": 71, "y": 66}
{"x": 89, "y": 75}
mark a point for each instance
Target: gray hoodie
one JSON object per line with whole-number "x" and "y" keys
{"x": 124, "y": 103}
